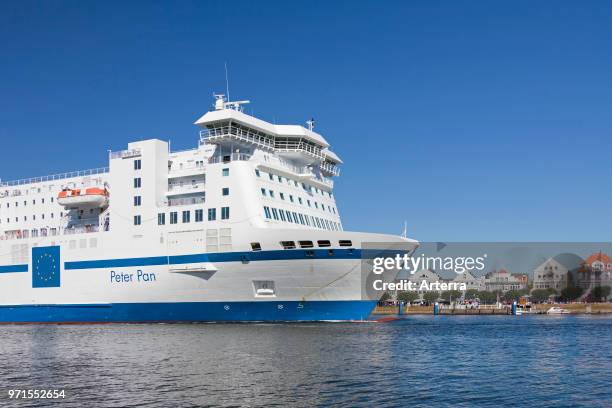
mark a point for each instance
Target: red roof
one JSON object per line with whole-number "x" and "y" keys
{"x": 598, "y": 256}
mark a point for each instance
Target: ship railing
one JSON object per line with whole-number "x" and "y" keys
{"x": 124, "y": 154}
{"x": 179, "y": 169}
{"x": 184, "y": 201}
{"x": 330, "y": 168}
{"x": 60, "y": 176}
{"x": 82, "y": 229}
{"x": 215, "y": 134}
{"x": 229, "y": 157}
{"x": 187, "y": 188}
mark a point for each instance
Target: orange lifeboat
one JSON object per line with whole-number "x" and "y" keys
{"x": 91, "y": 197}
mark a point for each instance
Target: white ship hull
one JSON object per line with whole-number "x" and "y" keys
{"x": 118, "y": 285}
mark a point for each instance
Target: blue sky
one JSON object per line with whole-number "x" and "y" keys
{"x": 472, "y": 121}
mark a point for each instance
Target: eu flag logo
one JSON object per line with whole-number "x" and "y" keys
{"x": 46, "y": 267}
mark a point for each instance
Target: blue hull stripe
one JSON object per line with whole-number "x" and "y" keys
{"x": 13, "y": 268}
{"x": 218, "y": 257}
{"x": 189, "y": 312}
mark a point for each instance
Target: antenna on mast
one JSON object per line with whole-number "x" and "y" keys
{"x": 405, "y": 231}
{"x": 226, "y": 82}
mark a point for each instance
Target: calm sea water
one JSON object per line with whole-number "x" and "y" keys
{"x": 460, "y": 361}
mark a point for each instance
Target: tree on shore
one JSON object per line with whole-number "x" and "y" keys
{"x": 571, "y": 293}
{"x": 431, "y": 297}
{"x": 407, "y": 296}
{"x": 385, "y": 297}
{"x": 471, "y": 294}
{"x": 512, "y": 295}
{"x": 449, "y": 295}
{"x": 542, "y": 295}
{"x": 600, "y": 293}
{"x": 487, "y": 297}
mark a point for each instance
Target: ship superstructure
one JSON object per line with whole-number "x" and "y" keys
{"x": 243, "y": 227}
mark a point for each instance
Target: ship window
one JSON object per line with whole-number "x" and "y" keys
{"x": 137, "y": 201}
{"x": 275, "y": 213}
{"x": 271, "y": 176}
{"x": 225, "y": 172}
{"x": 257, "y": 173}
{"x": 199, "y": 215}
{"x": 271, "y": 193}
{"x": 137, "y": 164}
{"x": 212, "y": 214}
{"x": 305, "y": 244}
{"x": 137, "y": 182}
{"x": 173, "y": 217}
{"x": 137, "y": 220}
{"x": 324, "y": 243}
{"x": 288, "y": 244}
{"x": 308, "y": 202}
{"x": 42, "y": 200}
{"x": 306, "y": 219}
{"x": 290, "y": 198}
{"x": 282, "y": 196}
{"x": 345, "y": 242}
{"x": 33, "y": 202}
{"x": 161, "y": 219}
{"x": 300, "y": 200}
{"x": 267, "y": 212}
{"x": 186, "y": 216}
{"x": 225, "y": 213}
{"x": 225, "y": 191}
{"x": 316, "y": 205}
{"x": 227, "y": 159}
{"x": 263, "y": 192}
{"x": 289, "y": 216}
{"x": 280, "y": 179}
{"x": 301, "y": 219}
{"x": 255, "y": 246}
{"x": 282, "y": 215}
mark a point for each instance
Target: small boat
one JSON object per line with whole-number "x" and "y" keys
{"x": 91, "y": 197}
{"x": 557, "y": 310}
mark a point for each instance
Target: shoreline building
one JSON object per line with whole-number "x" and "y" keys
{"x": 551, "y": 274}
{"x": 504, "y": 281}
{"x": 596, "y": 271}
{"x": 471, "y": 281}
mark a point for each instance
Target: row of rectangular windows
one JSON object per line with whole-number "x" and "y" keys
{"x": 25, "y": 217}
{"x": 305, "y": 186}
{"x": 270, "y": 193}
{"x": 34, "y": 233}
{"x": 186, "y": 216}
{"x": 25, "y": 203}
{"x": 322, "y": 243}
{"x": 297, "y": 218}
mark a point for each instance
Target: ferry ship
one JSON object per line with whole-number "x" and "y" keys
{"x": 243, "y": 227}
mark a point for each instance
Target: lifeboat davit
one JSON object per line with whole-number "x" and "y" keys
{"x": 91, "y": 197}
